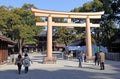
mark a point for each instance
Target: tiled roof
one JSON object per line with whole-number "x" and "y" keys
{"x": 29, "y": 45}
{"x": 60, "y": 45}
{"x": 3, "y": 38}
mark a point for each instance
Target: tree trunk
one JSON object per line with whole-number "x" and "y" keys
{"x": 20, "y": 44}
{"x": 65, "y": 42}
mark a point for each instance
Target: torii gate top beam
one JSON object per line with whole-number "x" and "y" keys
{"x": 46, "y": 13}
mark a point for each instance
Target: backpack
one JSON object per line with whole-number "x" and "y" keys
{"x": 26, "y": 61}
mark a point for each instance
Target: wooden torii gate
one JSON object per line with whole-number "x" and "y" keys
{"x": 67, "y": 15}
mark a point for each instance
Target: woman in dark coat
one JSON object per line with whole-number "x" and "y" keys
{"x": 19, "y": 62}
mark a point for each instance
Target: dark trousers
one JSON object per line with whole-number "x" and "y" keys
{"x": 97, "y": 61}
{"x": 26, "y": 69}
{"x": 102, "y": 67}
{"x": 19, "y": 68}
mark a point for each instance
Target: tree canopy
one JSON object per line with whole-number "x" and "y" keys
{"x": 19, "y": 24}
{"x": 109, "y": 22}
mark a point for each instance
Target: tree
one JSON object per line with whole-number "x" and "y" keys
{"x": 19, "y": 25}
{"x": 26, "y": 30}
{"x": 28, "y": 6}
{"x": 92, "y": 6}
{"x": 66, "y": 35}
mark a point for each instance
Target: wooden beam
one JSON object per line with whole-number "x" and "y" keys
{"x": 68, "y": 13}
{"x": 67, "y": 24}
{"x": 67, "y": 16}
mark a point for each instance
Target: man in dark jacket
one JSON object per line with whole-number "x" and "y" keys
{"x": 97, "y": 58}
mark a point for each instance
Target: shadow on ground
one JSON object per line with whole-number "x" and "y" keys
{"x": 57, "y": 74}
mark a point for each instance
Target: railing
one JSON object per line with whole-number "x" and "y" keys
{"x": 113, "y": 56}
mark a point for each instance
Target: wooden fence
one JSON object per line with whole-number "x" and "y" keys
{"x": 113, "y": 56}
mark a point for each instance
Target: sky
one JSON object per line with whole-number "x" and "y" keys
{"x": 58, "y": 5}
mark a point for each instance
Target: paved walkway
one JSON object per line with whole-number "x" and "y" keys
{"x": 63, "y": 69}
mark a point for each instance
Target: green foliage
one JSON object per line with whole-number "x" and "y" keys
{"x": 66, "y": 35}
{"x": 106, "y": 32}
{"x": 18, "y": 24}
{"x": 95, "y": 5}
{"x": 28, "y": 6}
{"x": 26, "y": 15}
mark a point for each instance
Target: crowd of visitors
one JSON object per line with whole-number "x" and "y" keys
{"x": 80, "y": 55}
{"x": 99, "y": 58}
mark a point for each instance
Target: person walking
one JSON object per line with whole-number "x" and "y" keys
{"x": 80, "y": 54}
{"x": 84, "y": 57}
{"x": 97, "y": 60}
{"x": 19, "y": 62}
{"x": 26, "y": 62}
{"x": 102, "y": 60}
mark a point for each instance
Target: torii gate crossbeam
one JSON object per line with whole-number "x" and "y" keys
{"x": 69, "y": 15}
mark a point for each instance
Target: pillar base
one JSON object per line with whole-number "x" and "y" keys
{"x": 47, "y": 60}
{"x": 90, "y": 59}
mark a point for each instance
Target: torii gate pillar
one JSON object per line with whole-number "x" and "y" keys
{"x": 49, "y": 38}
{"x": 88, "y": 38}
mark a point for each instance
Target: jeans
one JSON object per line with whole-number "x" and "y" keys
{"x": 26, "y": 69}
{"x": 80, "y": 62}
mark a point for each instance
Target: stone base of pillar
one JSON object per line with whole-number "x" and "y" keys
{"x": 89, "y": 59}
{"x": 47, "y": 60}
